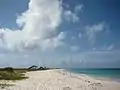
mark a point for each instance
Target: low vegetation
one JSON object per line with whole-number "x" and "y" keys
{"x": 11, "y": 74}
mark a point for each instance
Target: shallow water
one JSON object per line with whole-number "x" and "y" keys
{"x": 105, "y": 73}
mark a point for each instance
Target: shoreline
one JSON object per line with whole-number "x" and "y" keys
{"x": 99, "y": 77}
{"x": 60, "y": 79}
{"x": 106, "y": 78}
{"x": 92, "y": 76}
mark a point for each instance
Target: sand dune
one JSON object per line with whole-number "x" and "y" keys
{"x": 62, "y": 80}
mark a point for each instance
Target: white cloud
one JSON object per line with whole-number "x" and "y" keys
{"x": 39, "y": 27}
{"x": 66, "y": 5}
{"x": 80, "y": 35}
{"x": 73, "y": 15}
{"x": 70, "y": 16}
{"x": 111, "y": 47}
{"x": 73, "y": 38}
{"x": 104, "y": 48}
{"x": 74, "y": 48}
{"x": 92, "y": 31}
{"x": 78, "y": 8}
{"x": 54, "y": 42}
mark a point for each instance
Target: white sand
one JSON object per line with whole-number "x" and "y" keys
{"x": 61, "y": 80}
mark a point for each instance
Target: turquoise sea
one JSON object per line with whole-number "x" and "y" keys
{"x": 113, "y": 73}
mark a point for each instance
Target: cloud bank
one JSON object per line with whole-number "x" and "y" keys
{"x": 39, "y": 27}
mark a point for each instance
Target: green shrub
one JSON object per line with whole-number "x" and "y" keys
{"x": 6, "y": 75}
{"x": 8, "y": 69}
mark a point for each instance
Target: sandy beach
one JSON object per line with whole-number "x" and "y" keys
{"x": 61, "y": 80}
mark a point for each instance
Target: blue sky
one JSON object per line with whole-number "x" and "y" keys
{"x": 67, "y": 33}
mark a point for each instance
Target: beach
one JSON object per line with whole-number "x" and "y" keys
{"x": 58, "y": 79}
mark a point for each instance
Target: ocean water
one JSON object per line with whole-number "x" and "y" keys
{"x": 105, "y": 73}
